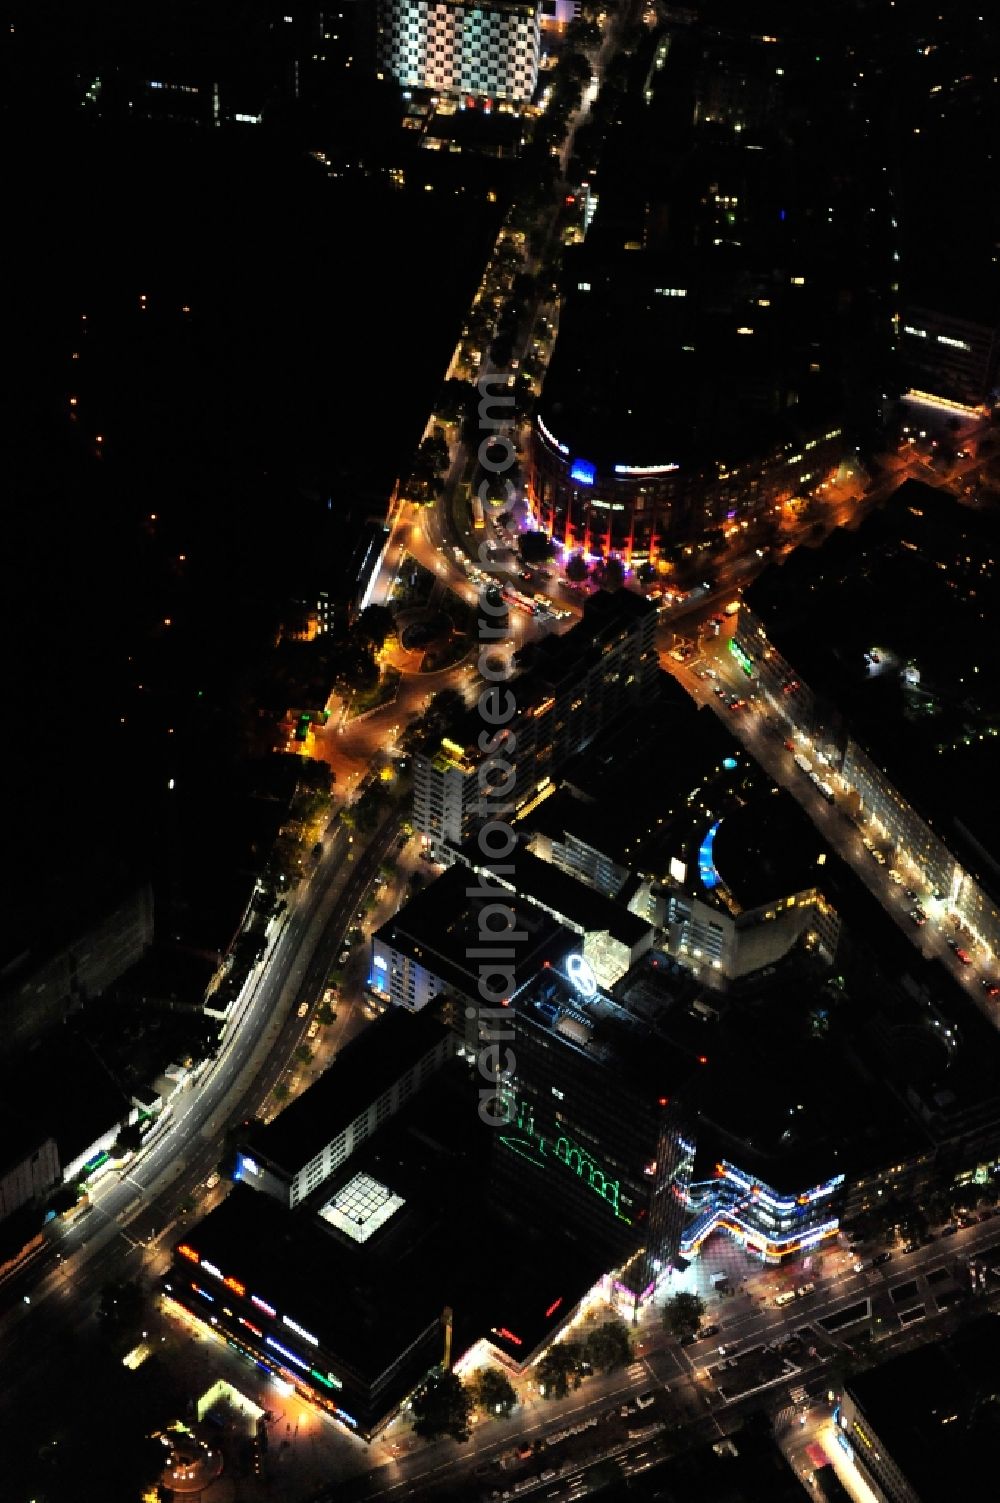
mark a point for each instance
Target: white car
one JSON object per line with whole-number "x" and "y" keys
{"x": 303, "y": 1009}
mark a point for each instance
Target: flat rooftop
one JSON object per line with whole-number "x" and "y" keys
{"x": 440, "y": 924}
{"x": 563, "y": 658}
{"x": 657, "y": 1051}
{"x": 431, "y": 1237}
{"x": 921, "y": 574}
{"x": 768, "y": 849}
{"x": 361, "y": 1072}
{"x": 571, "y": 902}
{"x": 782, "y": 1094}
{"x": 623, "y": 795}
{"x": 933, "y": 1409}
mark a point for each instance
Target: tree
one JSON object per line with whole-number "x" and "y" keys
{"x": 535, "y": 547}
{"x": 577, "y": 569}
{"x": 303, "y": 1054}
{"x": 440, "y": 716}
{"x": 683, "y": 1314}
{"x": 557, "y": 1367}
{"x": 442, "y": 1407}
{"x": 613, "y": 574}
{"x": 493, "y": 1391}
{"x": 325, "y": 1014}
{"x": 575, "y": 66}
{"x": 502, "y": 351}
{"x": 128, "y": 1141}
{"x": 358, "y": 669}
{"x": 607, "y": 1347}
{"x": 455, "y": 400}
{"x": 374, "y": 624}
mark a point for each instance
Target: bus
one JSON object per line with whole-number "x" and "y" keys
{"x": 515, "y": 598}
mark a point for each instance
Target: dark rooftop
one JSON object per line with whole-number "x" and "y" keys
{"x": 362, "y": 1071}
{"x": 783, "y": 1094}
{"x": 935, "y": 1410}
{"x": 748, "y": 1467}
{"x": 768, "y": 849}
{"x": 573, "y": 902}
{"x": 622, "y": 794}
{"x": 428, "y": 1254}
{"x": 442, "y": 921}
{"x": 920, "y": 574}
{"x": 61, "y": 1088}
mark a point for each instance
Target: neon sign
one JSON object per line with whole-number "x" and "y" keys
{"x": 508, "y": 1335}
{"x": 580, "y": 974}
{"x": 538, "y": 1149}
{"x": 583, "y": 472}
{"x": 291, "y": 1357}
{"x": 306, "y": 1335}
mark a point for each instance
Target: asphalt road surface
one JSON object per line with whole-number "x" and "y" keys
{"x": 133, "y": 1213}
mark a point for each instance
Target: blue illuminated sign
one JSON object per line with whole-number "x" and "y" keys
{"x": 729, "y": 763}
{"x": 706, "y": 865}
{"x": 582, "y": 472}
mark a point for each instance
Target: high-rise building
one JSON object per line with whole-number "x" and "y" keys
{"x": 952, "y": 360}
{"x": 573, "y": 685}
{"x": 488, "y": 50}
{"x": 595, "y": 1138}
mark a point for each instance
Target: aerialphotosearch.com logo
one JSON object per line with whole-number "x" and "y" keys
{"x": 494, "y": 946}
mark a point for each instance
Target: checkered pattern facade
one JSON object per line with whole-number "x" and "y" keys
{"x": 488, "y": 50}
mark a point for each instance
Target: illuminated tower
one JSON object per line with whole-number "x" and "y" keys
{"x": 596, "y": 1141}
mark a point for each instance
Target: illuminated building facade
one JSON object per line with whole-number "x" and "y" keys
{"x": 486, "y": 50}
{"x": 423, "y": 952}
{"x": 378, "y": 1277}
{"x": 950, "y": 360}
{"x": 635, "y": 506}
{"x": 874, "y": 706}
{"x": 772, "y": 1225}
{"x": 919, "y": 1426}
{"x": 573, "y": 685}
{"x": 369, "y": 1082}
{"x": 261, "y": 1283}
{"x": 595, "y": 1139}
